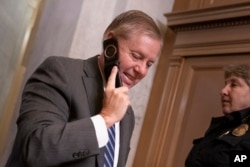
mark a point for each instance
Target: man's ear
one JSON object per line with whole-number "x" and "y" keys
{"x": 110, "y": 35}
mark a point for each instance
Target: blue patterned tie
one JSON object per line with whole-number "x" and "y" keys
{"x": 110, "y": 148}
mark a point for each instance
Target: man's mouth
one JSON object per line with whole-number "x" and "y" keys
{"x": 128, "y": 79}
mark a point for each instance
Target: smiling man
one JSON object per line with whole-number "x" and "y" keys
{"x": 71, "y": 115}
{"x": 228, "y": 134}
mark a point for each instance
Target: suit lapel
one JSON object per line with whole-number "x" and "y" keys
{"x": 92, "y": 81}
{"x": 126, "y": 130}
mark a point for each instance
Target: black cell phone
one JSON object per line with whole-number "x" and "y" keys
{"x": 111, "y": 59}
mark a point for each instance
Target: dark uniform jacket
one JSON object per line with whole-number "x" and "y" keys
{"x": 221, "y": 140}
{"x": 54, "y": 125}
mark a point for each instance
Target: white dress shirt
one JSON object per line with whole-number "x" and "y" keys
{"x": 102, "y": 134}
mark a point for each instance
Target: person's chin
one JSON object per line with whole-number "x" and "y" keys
{"x": 226, "y": 110}
{"x": 127, "y": 85}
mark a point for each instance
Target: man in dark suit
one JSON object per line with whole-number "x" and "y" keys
{"x": 67, "y": 105}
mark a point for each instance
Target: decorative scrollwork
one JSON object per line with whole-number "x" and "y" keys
{"x": 213, "y": 24}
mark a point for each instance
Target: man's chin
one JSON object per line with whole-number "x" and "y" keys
{"x": 129, "y": 84}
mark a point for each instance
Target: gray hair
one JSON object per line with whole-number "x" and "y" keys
{"x": 132, "y": 22}
{"x": 238, "y": 70}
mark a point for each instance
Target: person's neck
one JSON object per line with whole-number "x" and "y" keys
{"x": 101, "y": 68}
{"x": 101, "y": 63}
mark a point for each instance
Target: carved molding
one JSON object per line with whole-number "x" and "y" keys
{"x": 211, "y": 31}
{"x": 239, "y": 21}
{"x": 208, "y": 14}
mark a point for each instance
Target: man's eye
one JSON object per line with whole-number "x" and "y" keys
{"x": 149, "y": 64}
{"x": 135, "y": 55}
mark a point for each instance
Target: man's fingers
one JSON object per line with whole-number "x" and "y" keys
{"x": 112, "y": 78}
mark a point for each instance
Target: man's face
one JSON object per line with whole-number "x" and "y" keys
{"x": 137, "y": 54}
{"x": 235, "y": 95}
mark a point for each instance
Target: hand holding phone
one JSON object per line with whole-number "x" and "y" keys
{"x": 116, "y": 98}
{"x": 111, "y": 59}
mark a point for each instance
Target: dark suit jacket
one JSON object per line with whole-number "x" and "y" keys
{"x": 54, "y": 125}
{"x": 215, "y": 148}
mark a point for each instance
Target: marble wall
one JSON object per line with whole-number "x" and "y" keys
{"x": 53, "y": 37}
{"x": 14, "y": 20}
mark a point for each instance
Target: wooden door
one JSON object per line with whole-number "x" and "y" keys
{"x": 198, "y": 100}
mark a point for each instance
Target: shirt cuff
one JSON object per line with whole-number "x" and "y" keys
{"x": 100, "y": 130}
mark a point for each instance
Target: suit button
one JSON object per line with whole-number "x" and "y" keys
{"x": 85, "y": 152}
{"x": 81, "y": 154}
{"x": 74, "y": 155}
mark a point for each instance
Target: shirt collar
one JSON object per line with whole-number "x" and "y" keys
{"x": 240, "y": 116}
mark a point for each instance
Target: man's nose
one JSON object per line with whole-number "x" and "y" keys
{"x": 141, "y": 69}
